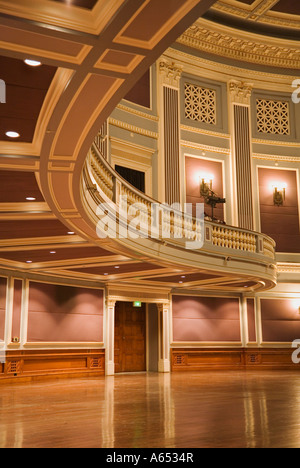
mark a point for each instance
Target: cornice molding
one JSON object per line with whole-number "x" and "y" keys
{"x": 260, "y": 11}
{"x": 133, "y": 128}
{"x": 288, "y": 268}
{"x": 242, "y": 46}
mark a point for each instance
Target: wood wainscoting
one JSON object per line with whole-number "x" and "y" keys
{"x": 230, "y": 359}
{"x": 52, "y": 363}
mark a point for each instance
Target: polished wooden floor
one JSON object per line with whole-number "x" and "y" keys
{"x": 218, "y": 409}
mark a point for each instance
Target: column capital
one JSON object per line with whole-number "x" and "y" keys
{"x": 163, "y": 306}
{"x": 110, "y": 302}
{"x": 170, "y": 72}
{"x": 240, "y": 91}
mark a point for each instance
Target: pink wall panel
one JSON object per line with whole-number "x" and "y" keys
{"x": 206, "y": 319}
{"x": 3, "y": 284}
{"x": 17, "y": 306}
{"x": 280, "y": 222}
{"x": 64, "y": 314}
{"x": 251, "y": 320}
{"x": 195, "y": 167}
{"x": 280, "y": 320}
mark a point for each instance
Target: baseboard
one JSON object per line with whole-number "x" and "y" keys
{"x": 183, "y": 360}
{"x": 28, "y": 365}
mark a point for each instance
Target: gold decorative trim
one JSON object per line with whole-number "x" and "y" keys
{"x": 132, "y": 128}
{"x": 213, "y": 149}
{"x": 202, "y": 131}
{"x": 139, "y": 113}
{"x": 271, "y": 157}
{"x": 227, "y": 42}
{"x": 260, "y": 11}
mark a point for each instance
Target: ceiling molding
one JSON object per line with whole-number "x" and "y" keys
{"x": 220, "y": 40}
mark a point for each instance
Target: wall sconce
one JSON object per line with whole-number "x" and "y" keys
{"x": 206, "y": 185}
{"x": 279, "y": 191}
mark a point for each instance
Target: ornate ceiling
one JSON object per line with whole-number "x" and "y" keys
{"x": 92, "y": 53}
{"x": 279, "y": 18}
{"x": 260, "y": 32}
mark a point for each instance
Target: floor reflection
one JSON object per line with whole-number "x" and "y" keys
{"x": 219, "y": 409}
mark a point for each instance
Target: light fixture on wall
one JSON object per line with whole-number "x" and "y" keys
{"x": 206, "y": 191}
{"x": 279, "y": 193}
{"x": 206, "y": 185}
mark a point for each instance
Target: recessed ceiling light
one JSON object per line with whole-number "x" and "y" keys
{"x": 180, "y": 282}
{"x": 117, "y": 267}
{"x": 32, "y": 63}
{"x": 29, "y": 261}
{"x": 183, "y": 277}
{"x": 71, "y": 233}
{"x": 30, "y": 199}
{"x": 12, "y": 134}
{"x": 105, "y": 274}
{"x": 53, "y": 252}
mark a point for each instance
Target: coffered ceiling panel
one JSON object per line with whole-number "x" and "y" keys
{"x": 87, "y": 4}
{"x": 26, "y": 89}
{"x": 17, "y": 186}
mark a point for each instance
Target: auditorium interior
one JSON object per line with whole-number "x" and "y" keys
{"x": 149, "y": 223}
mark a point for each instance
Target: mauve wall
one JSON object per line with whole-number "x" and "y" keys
{"x": 280, "y": 320}
{"x": 206, "y": 319}
{"x": 3, "y": 284}
{"x": 251, "y": 320}
{"x": 140, "y": 94}
{"x": 195, "y": 167}
{"x": 280, "y": 222}
{"x": 64, "y": 314}
{"x": 17, "y": 309}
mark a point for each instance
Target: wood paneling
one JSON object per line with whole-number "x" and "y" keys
{"x": 184, "y": 360}
{"x": 130, "y": 338}
{"x": 47, "y": 363}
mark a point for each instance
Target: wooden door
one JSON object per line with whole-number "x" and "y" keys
{"x": 130, "y": 338}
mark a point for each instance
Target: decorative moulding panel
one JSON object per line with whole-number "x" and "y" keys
{"x": 273, "y": 117}
{"x": 204, "y": 104}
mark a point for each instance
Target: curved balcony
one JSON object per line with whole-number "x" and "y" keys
{"x": 232, "y": 258}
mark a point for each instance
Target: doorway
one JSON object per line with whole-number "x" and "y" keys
{"x": 130, "y": 338}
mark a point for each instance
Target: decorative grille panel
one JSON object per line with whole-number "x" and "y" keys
{"x": 273, "y": 117}
{"x": 200, "y": 104}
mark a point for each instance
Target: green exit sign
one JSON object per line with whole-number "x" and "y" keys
{"x": 137, "y": 304}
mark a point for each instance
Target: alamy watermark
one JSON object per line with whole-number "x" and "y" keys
{"x": 296, "y": 93}
{"x": 2, "y": 92}
{"x": 158, "y": 221}
{"x": 2, "y": 352}
{"x": 296, "y": 353}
